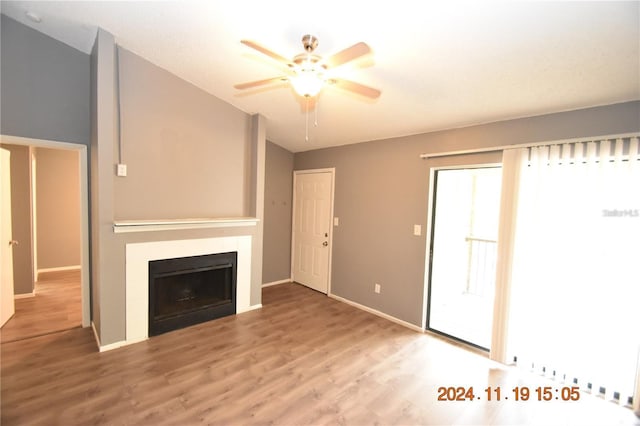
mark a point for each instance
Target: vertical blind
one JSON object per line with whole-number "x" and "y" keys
{"x": 568, "y": 281}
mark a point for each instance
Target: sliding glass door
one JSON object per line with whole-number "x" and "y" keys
{"x": 567, "y": 277}
{"x": 463, "y": 253}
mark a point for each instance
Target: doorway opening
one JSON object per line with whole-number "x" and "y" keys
{"x": 53, "y": 294}
{"x": 462, "y": 260}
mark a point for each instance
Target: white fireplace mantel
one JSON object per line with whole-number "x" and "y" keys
{"x": 122, "y": 226}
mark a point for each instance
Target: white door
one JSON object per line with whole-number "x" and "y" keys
{"x": 7, "y": 308}
{"x": 313, "y": 208}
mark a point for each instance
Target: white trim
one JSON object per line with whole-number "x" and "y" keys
{"x": 467, "y": 166}
{"x": 32, "y": 214}
{"x": 138, "y": 256}
{"x": 325, "y": 170}
{"x": 249, "y": 308}
{"x": 272, "y": 283}
{"x": 41, "y": 143}
{"x": 112, "y": 346}
{"x": 331, "y": 212}
{"x": 378, "y": 313}
{"x": 124, "y": 226}
{"x": 85, "y": 260}
{"x": 24, "y": 295}
{"x": 527, "y": 145}
{"x": 332, "y": 171}
{"x": 85, "y": 285}
{"x": 95, "y": 334}
{"x": 59, "y": 269}
{"x": 293, "y": 225}
{"x": 108, "y": 347}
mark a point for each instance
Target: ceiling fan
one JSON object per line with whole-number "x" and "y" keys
{"x": 307, "y": 72}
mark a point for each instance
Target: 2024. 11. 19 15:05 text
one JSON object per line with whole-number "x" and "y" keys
{"x": 518, "y": 393}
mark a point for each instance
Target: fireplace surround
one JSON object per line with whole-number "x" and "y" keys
{"x": 138, "y": 256}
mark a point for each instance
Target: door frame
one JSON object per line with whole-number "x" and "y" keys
{"x": 7, "y": 299}
{"x": 332, "y": 171}
{"x": 426, "y": 294}
{"x": 85, "y": 287}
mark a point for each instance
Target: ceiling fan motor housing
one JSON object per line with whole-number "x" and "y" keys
{"x": 309, "y": 42}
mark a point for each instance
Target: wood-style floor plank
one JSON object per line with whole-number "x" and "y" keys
{"x": 301, "y": 359}
{"x": 56, "y": 306}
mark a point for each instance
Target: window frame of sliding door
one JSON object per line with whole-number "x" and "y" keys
{"x": 431, "y": 213}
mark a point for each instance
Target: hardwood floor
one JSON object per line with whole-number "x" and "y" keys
{"x": 301, "y": 359}
{"x": 55, "y": 307}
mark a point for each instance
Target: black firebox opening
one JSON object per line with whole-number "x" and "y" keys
{"x": 190, "y": 290}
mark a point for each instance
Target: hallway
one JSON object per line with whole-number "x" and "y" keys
{"x": 55, "y": 307}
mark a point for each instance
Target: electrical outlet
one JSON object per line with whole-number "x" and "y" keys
{"x": 376, "y": 288}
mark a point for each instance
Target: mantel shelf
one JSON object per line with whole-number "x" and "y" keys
{"x": 123, "y": 226}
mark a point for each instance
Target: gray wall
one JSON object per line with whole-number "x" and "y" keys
{"x": 180, "y": 144}
{"x": 381, "y": 191}
{"x": 277, "y": 214}
{"x": 93, "y": 186}
{"x": 21, "y": 218}
{"x": 256, "y": 173}
{"x": 104, "y": 297}
{"x": 51, "y": 91}
{"x": 185, "y": 150}
{"x": 45, "y": 86}
{"x": 57, "y": 208}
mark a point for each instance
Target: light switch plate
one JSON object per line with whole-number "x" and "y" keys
{"x": 121, "y": 170}
{"x": 336, "y": 221}
{"x": 417, "y": 230}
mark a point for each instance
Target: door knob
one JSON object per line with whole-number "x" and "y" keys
{"x": 13, "y": 243}
{"x": 326, "y": 243}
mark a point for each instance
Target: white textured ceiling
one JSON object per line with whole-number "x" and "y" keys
{"x": 439, "y": 65}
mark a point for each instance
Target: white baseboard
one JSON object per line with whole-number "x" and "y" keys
{"x": 95, "y": 334}
{"x": 24, "y": 295}
{"x": 58, "y": 269}
{"x": 108, "y": 347}
{"x": 288, "y": 280}
{"x": 250, "y": 308}
{"x": 378, "y": 313}
{"x": 111, "y": 346}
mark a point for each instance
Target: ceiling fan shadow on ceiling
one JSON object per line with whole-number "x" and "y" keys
{"x": 308, "y": 73}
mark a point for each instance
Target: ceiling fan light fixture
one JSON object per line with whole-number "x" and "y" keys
{"x": 307, "y": 83}
{"x": 306, "y": 71}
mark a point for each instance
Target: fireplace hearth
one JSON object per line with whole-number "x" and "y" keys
{"x": 190, "y": 290}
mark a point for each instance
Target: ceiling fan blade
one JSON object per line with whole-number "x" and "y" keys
{"x": 266, "y": 51}
{"x": 348, "y": 54}
{"x": 257, "y": 83}
{"x": 358, "y": 88}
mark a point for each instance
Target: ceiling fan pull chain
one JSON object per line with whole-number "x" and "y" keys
{"x": 315, "y": 111}
{"x": 306, "y": 126}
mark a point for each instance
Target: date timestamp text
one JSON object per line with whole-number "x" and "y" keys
{"x": 518, "y": 393}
